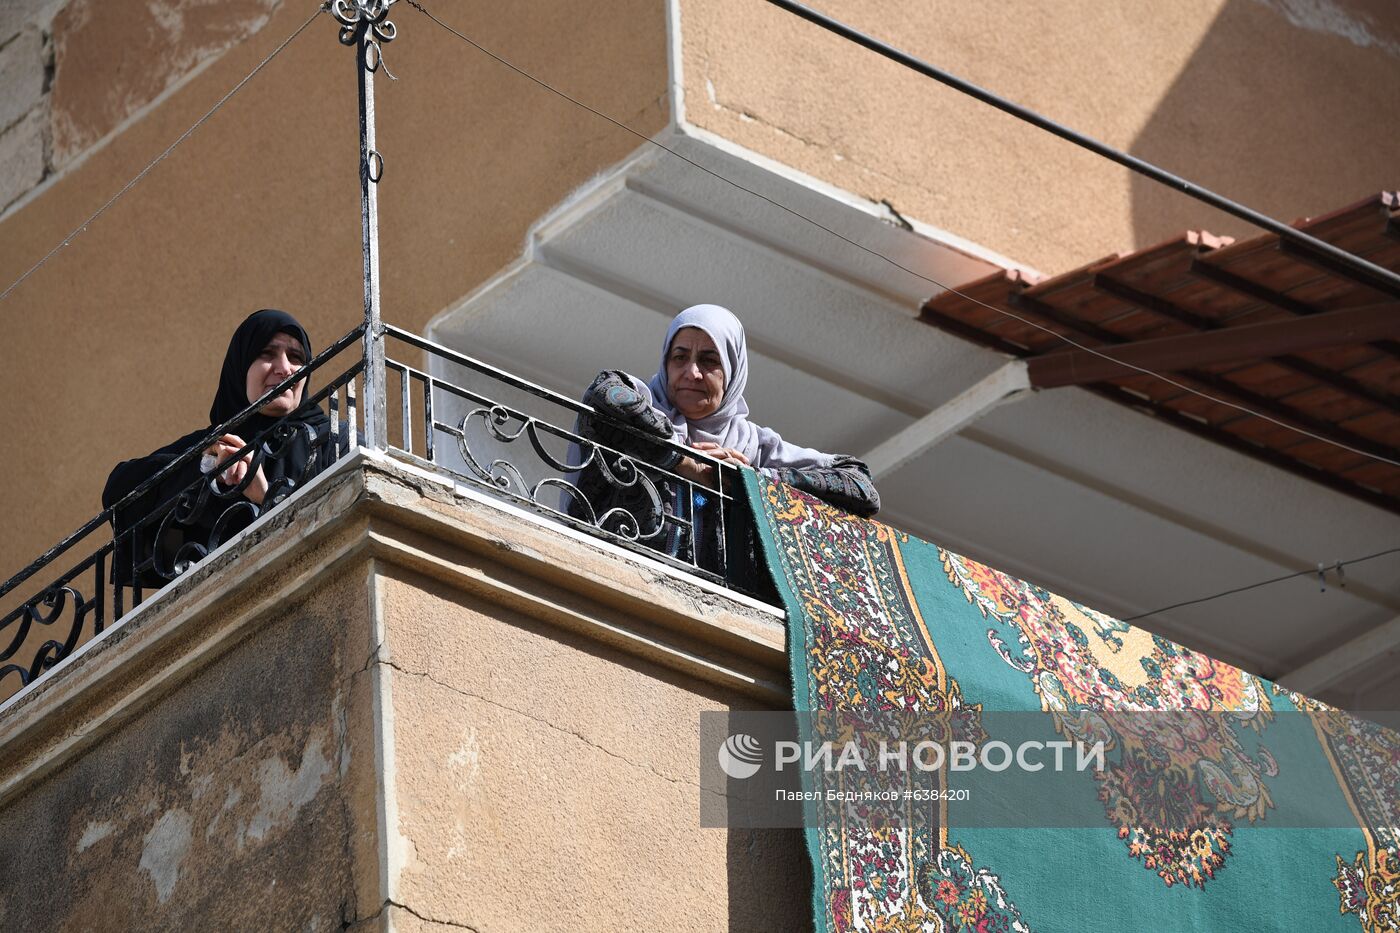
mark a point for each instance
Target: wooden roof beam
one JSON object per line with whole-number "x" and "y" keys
{"x": 1238, "y": 444}
{"x": 1270, "y": 297}
{"x": 1215, "y": 384}
{"x": 1340, "y": 270}
{"x": 1156, "y": 304}
{"x": 1212, "y": 433}
{"x": 1226, "y": 345}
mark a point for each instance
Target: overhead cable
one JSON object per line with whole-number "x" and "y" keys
{"x": 861, "y": 246}
{"x": 1376, "y": 276}
{"x": 160, "y": 158}
{"x": 1319, "y": 571}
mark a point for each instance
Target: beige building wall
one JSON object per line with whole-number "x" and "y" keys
{"x": 232, "y": 802}
{"x": 113, "y": 348}
{"x": 396, "y": 706}
{"x": 1286, "y": 107}
{"x": 549, "y": 783}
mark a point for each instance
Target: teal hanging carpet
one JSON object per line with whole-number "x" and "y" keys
{"x": 1221, "y": 801}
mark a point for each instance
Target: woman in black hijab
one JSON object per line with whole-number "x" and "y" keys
{"x": 291, "y": 434}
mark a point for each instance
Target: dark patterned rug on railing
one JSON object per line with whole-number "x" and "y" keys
{"x": 1221, "y": 801}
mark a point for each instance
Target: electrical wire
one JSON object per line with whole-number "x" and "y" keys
{"x": 160, "y": 158}
{"x": 1002, "y": 311}
{"x": 1302, "y": 573}
{"x": 1338, "y": 566}
{"x": 1387, "y": 279}
{"x": 520, "y": 71}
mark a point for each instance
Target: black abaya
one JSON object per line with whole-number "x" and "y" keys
{"x": 172, "y": 538}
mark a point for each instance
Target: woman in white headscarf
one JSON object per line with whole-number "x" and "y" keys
{"x": 697, "y": 399}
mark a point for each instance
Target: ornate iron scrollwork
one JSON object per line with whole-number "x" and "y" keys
{"x": 277, "y": 446}
{"x": 173, "y": 551}
{"x": 354, "y": 15}
{"x": 621, "y": 473}
{"x": 46, "y": 609}
{"x": 178, "y": 542}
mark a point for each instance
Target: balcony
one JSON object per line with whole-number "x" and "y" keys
{"x": 414, "y": 692}
{"x": 433, "y": 687}
{"x": 453, "y": 417}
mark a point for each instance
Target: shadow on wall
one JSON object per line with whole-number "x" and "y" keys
{"x": 783, "y": 908}
{"x": 1287, "y": 106}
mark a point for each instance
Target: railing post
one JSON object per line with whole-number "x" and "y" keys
{"x": 365, "y": 25}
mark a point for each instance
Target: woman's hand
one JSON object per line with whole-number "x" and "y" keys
{"x": 698, "y": 472}
{"x": 721, "y": 453}
{"x": 233, "y": 474}
{"x": 704, "y": 472}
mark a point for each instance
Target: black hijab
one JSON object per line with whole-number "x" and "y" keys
{"x": 247, "y": 342}
{"x": 304, "y": 450}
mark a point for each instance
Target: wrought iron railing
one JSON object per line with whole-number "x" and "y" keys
{"x": 450, "y": 413}
{"x": 102, "y": 573}
{"x": 453, "y": 413}
{"x": 521, "y": 441}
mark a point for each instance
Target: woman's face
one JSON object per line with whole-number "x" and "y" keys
{"x": 694, "y": 373}
{"x": 279, "y": 359}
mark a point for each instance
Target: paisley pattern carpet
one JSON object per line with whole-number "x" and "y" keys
{"x": 1198, "y": 820}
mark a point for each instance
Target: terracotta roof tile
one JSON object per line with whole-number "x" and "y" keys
{"x": 1200, "y": 284}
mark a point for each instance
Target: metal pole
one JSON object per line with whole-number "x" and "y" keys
{"x": 371, "y": 166}
{"x": 365, "y": 25}
{"x": 1376, "y": 276}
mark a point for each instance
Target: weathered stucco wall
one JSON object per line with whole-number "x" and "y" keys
{"x": 26, "y": 63}
{"x": 113, "y": 347}
{"x": 1283, "y": 106}
{"x": 226, "y": 804}
{"x": 550, "y": 783}
{"x": 74, "y": 71}
{"x": 400, "y": 707}
{"x": 135, "y": 51}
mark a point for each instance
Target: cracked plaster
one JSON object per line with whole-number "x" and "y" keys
{"x": 227, "y": 789}
{"x": 583, "y": 773}
{"x": 219, "y": 789}
{"x": 1198, "y": 93}
{"x": 112, "y": 59}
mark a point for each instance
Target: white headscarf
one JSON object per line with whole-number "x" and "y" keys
{"x": 729, "y": 425}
